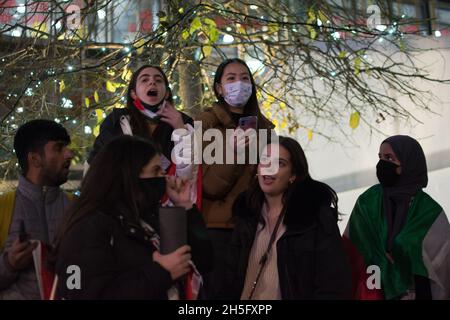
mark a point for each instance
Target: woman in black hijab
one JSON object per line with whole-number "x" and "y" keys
{"x": 396, "y": 226}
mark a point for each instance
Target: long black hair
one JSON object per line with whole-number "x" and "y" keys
{"x": 138, "y": 121}
{"x": 112, "y": 180}
{"x": 318, "y": 191}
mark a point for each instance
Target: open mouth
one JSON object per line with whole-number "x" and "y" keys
{"x": 152, "y": 93}
{"x": 268, "y": 178}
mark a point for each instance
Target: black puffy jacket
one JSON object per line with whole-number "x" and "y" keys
{"x": 311, "y": 260}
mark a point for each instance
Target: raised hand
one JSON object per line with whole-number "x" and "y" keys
{"x": 171, "y": 115}
{"x": 179, "y": 191}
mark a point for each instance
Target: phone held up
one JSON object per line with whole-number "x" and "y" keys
{"x": 250, "y": 122}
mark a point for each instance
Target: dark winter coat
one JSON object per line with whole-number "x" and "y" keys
{"x": 115, "y": 259}
{"x": 311, "y": 261}
{"x": 110, "y": 129}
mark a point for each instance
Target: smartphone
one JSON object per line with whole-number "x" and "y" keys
{"x": 22, "y": 232}
{"x": 250, "y": 122}
{"x": 172, "y": 228}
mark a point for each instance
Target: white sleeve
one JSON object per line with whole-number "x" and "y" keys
{"x": 183, "y": 157}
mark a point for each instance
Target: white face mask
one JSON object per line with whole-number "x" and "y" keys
{"x": 237, "y": 93}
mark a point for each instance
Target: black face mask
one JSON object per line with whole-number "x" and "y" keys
{"x": 152, "y": 191}
{"x": 387, "y": 173}
{"x": 152, "y": 108}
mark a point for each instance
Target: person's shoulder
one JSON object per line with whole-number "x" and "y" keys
{"x": 429, "y": 201}
{"x": 186, "y": 118}
{"x": 373, "y": 191}
{"x": 206, "y": 115}
{"x": 114, "y": 117}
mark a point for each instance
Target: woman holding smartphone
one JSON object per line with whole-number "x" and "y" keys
{"x": 150, "y": 114}
{"x": 236, "y": 103}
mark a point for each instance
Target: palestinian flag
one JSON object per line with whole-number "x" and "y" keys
{"x": 421, "y": 248}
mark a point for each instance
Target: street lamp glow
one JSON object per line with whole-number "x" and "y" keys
{"x": 336, "y": 35}
{"x": 228, "y": 38}
{"x": 21, "y": 9}
{"x": 101, "y": 14}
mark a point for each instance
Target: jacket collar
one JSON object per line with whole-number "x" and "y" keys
{"x": 37, "y": 193}
{"x": 223, "y": 116}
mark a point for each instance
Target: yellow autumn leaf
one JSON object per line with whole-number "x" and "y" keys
{"x": 266, "y": 105}
{"x": 270, "y": 99}
{"x": 312, "y": 34}
{"x": 181, "y": 10}
{"x": 268, "y": 114}
{"x": 310, "y": 134}
{"x": 110, "y": 87}
{"x": 322, "y": 17}
{"x": 195, "y": 25}
{"x": 275, "y": 123}
{"x": 139, "y": 45}
{"x": 273, "y": 28}
{"x": 100, "y": 115}
{"x": 62, "y": 86}
{"x": 210, "y": 22}
{"x": 40, "y": 30}
{"x": 126, "y": 75}
{"x": 240, "y": 29}
{"x": 282, "y": 105}
{"x": 258, "y": 95}
{"x": 342, "y": 54}
{"x": 87, "y": 102}
{"x": 111, "y": 73}
{"x": 357, "y": 63}
{"x": 283, "y": 123}
{"x": 185, "y": 34}
{"x": 96, "y": 99}
{"x": 96, "y": 130}
{"x": 354, "y": 120}
{"x": 207, "y": 50}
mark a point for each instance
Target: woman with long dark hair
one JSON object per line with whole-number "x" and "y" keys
{"x": 286, "y": 243}
{"x": 235, "y": 90}
{"x": 111, "y": 231}
{"x": 150, "y": 114}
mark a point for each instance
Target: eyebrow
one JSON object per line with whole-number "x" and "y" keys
{"x": 233, "y": 74}
{"x": 148, "y": 75}
{"x": 386, "y": 154}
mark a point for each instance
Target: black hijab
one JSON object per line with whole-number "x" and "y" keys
{"x": 397, "y": 199}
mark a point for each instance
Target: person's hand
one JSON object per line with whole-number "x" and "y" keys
{"x": 179, "y": 191}
{"x": 20, "y": 255}
{"x": 171, "y": 116}
{"x": 177, "y": 262}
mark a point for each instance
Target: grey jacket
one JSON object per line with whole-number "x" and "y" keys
{"x": 42, "y": 211}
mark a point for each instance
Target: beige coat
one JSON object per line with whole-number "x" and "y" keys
{"x": 222, "y": 183}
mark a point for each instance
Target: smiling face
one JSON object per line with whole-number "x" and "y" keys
{"x": 276, "y": 184}
{"x": 150, "y": 87}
